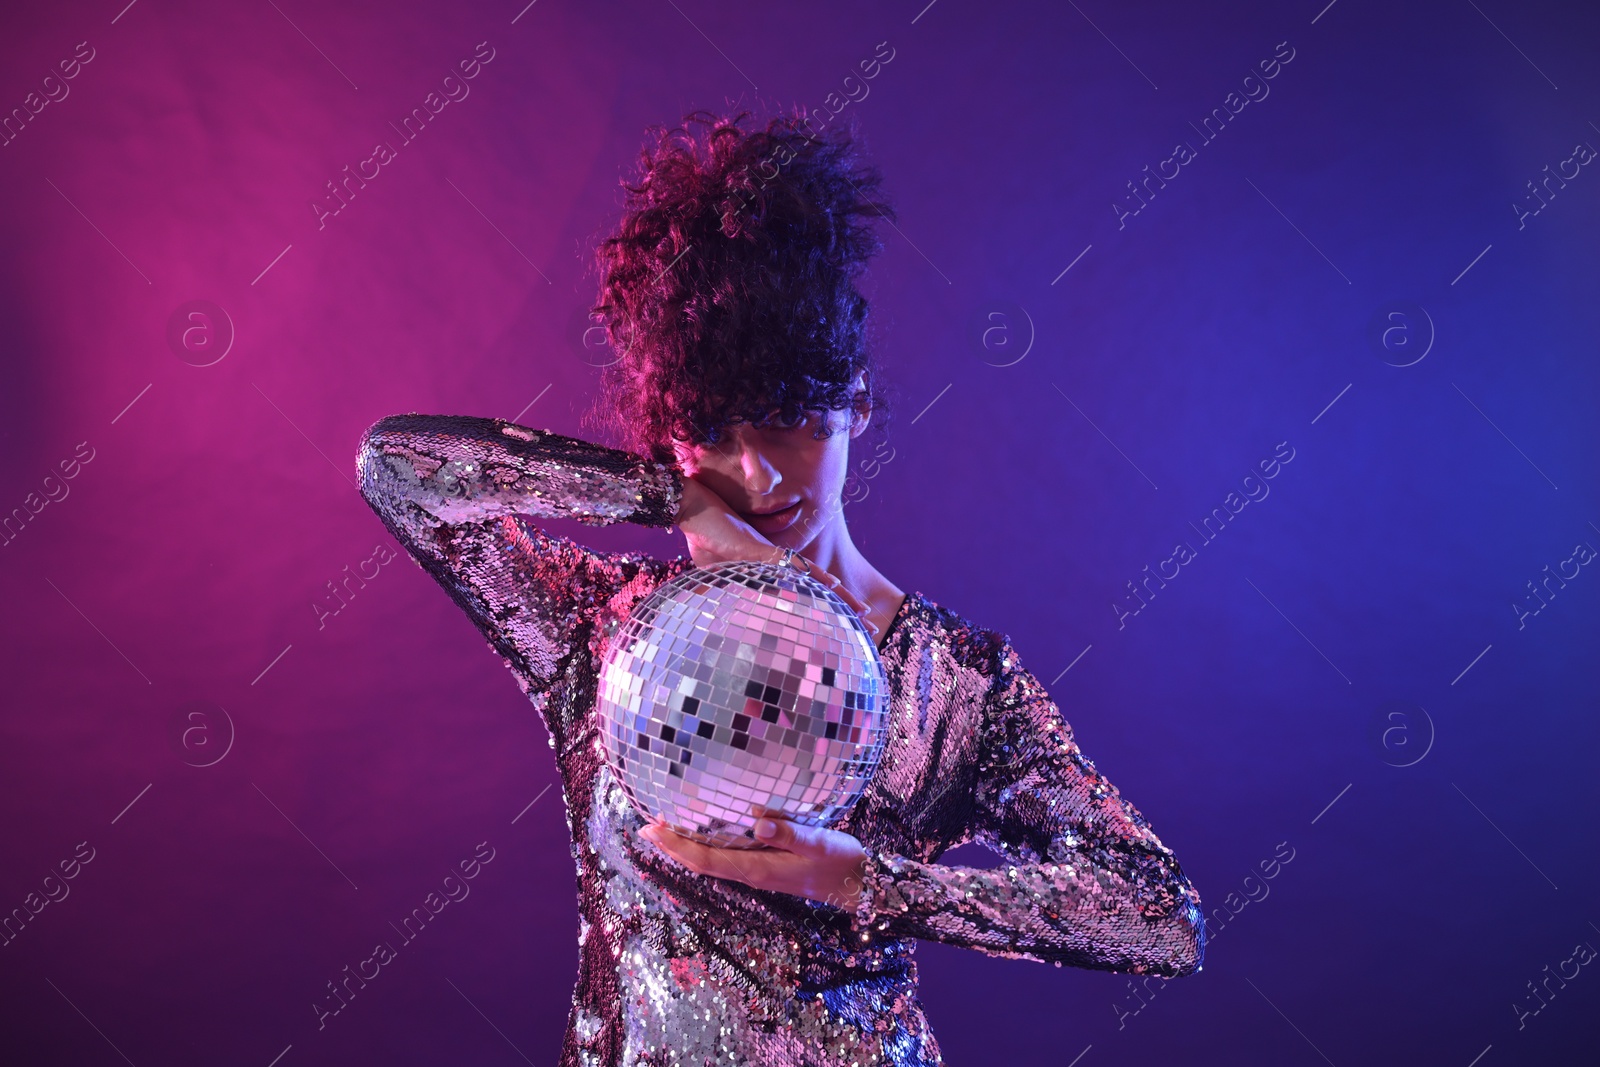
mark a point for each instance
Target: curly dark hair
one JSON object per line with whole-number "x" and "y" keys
{"x": 728, "y": 289}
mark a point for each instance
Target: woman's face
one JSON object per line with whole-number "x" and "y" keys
{"x": 779, "y": 467}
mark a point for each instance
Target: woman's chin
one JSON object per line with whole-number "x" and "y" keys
{"x": 796, "y": 537}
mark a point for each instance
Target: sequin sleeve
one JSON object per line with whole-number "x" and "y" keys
{"x": 456, "y": 492}
{"x": 1085, "y": 881}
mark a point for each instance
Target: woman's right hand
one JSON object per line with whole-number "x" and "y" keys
{"x": 716, "y": 533}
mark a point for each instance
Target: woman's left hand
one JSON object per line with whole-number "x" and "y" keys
{"x": 808, "y": 861}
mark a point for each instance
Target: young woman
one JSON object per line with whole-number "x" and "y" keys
{"x": 743, "y": 375}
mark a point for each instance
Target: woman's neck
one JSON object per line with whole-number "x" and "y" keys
{"x": 833, "y": 550}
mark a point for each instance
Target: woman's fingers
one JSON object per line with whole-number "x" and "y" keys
{"x": 753, "y": 867}
{"x": 834, "y": 583}
{"x": 857, "y": 605}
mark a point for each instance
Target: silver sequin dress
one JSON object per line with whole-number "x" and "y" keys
{"x": 677, "y": 967}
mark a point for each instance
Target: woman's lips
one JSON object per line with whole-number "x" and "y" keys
{"x": 777, "y": 522}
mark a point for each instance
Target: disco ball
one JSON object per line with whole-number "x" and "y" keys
{"x": 738, "y": 685}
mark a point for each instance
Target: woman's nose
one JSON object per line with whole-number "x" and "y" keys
{"x": 760, "y": 476}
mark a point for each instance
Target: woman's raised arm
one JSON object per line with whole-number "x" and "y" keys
{"x": 456, "y": 492}
{"x": 1086, "y": 882}
{"x": 466, "y": 469}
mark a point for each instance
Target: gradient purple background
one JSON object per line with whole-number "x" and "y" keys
{"x": 1243, "y": 707}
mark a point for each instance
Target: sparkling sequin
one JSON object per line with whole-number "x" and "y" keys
{"x": 681, "y": 968}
